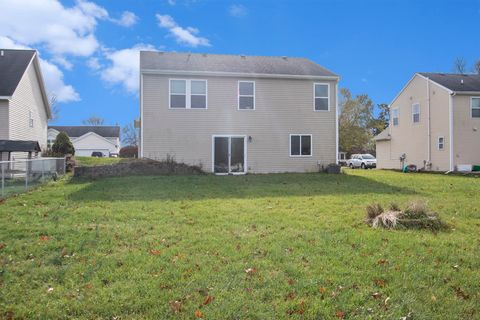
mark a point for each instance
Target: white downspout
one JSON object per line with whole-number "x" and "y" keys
{"x": 429, "y": 157}
{"x": 336, "y": 123}
{"x": 450, "y": 110}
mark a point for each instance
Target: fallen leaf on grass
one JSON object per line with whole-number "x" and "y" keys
{"x": 88, "y": 286}
{"x": 382, "y": 261}
{"x": 250, "y": 271}
{"x": 44, "y": 238}
{"x": 298, "y": 310}
{"x": 198, "y": 314}
{"x": 291, "y": 282}
{"x": 207, "y": 300}
{"x": 340, "y": 314}
{"x": 376, "y": 295}
{"x": 2, "y": 245}
{"x": 434, "y": 299}
{"x": 50, "y": 289}
{"x": 379, "y": 282}
{"x": 176, "y": 306}
{"x": 460, "y": 293}
{"x": 290, "y": 296}
{"x": 155, "y": 252}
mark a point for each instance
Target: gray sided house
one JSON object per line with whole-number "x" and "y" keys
{"x": 238, "y": 114}
{"x": 24, "y": 106}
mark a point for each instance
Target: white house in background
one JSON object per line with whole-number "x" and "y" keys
{"x": 88, "y": 139}
{"x": 24, "y": 106}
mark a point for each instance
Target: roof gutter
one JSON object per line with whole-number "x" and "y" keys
{"x": 5, "y": 97}
{"x": 236, "y": 74}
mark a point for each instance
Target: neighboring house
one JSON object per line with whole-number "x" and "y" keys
{"x": 24, "y": 106}
{"x": 88, "y": 139}
{"x": 434, "y": 123}
{"x": 238, "y": 114}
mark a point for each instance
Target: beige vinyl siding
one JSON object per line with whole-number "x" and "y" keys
{"x": 28, "y": 97}
{"x": 3, "y": 119}
{"x": 282, "y": 107}
{"x": 466, "y": 132}
{"x": 411, "y": 138}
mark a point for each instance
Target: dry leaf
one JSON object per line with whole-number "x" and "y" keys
{"x": 155, "y": 252}
{"x": 176, "y": 306}
{"x": 251, "y": 271}
{"x": 291, "y": 282}
{"x": 290, "y": 296}
{"x": 460, "y": 293}
{"x": 382, "y": 261}
{"x": 207, "y": 300}
{"x": 198, "y": 314}
{"x": 434, "y": 299}
{"x": 2, "y": 245}
{"x": 340, "y": 314}
{"x": 50, "y": 289}
{"x": 376, "y": 295}
{"x": 380, "y": 282}
{"x": 44, "y": 238}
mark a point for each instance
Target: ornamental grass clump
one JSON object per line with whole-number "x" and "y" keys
{"x": 415, "y": 216}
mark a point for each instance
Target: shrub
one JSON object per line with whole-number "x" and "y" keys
{"x": 129, "y": 152}
{"x": 62, "y": 145}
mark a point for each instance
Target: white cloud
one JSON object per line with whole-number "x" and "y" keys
{"x": 237, "y": 10}
{"x": 94, "y": 64}
{"x": 59, "y": 29}
{"x": 52, "y": 75}
{"x": 172, "y": 2}
{"x": 127, "y": 19}
{"x": 182, "y": 35}
{"x": 124, "y": 67}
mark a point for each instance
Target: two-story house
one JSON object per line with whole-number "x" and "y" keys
{"x": 89, "y": 139}
{"x": 238, "y": 114}
{"x": 434, "y": 123}
{"x": 24, "y": 106}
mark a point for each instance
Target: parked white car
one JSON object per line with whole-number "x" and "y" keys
{"x": 363, "y": 161}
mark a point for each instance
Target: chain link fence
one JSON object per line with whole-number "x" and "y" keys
{"x": 24, "y": 174}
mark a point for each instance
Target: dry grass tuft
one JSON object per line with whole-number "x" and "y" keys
{"x": 415, "y": 216}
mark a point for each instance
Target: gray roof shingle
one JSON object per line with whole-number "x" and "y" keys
{"x": 78, "y": 131}
{"x": 173, "y": 61}
{"x": 13, "y": 64}
{"x": 452, "y": 81}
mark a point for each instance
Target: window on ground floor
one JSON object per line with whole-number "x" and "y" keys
{"x": 441, "y": 143}
{"x": 476, "y": 107}
{"x": 300, "y": 145}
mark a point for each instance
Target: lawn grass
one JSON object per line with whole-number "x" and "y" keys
{"x": 96, "y": 161}
{"x": 170, "y": 247}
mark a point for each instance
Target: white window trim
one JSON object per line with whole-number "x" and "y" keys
{"x": 471, "y": 107}
{"x": 438, "y": 143}
{"x": 419, "y": 112}
{"x": 290, "y": 145}
{"x": 243, "y": 95}
{"x": 398, "y": 116}
{"x": 188, "y": 94}
{"x": 328, "y": 96}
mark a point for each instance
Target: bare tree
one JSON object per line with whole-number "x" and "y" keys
{"x": 54, "y": 108}
{"x": 460, "y": 65}
{"x": 476, "y": 67}
{"x": 130, "y": 135}
{"x": 94, "y": 121}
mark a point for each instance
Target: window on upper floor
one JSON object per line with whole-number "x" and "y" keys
{"x": 188, "y": 94}
{"x": 476, "y": 107}
{"x": 30, "y": 119}
{"x": 416, "y": 112}
{"x": 246, "y": 95}
{"x": 321, "y": 96}
{"x": 300, "y": 145}
{"x": 441, "y": 143}
{"x": 395, "y": 116}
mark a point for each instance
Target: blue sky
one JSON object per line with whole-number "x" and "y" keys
{"x": 89, "y": 48}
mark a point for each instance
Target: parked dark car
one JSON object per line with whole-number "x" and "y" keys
{"x": 97, "y": 154}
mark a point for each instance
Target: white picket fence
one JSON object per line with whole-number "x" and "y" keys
{"x": 23, "y": 174}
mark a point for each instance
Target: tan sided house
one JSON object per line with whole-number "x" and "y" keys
{"x": 24, "y": 106}
{"x": 238, "y": 114}
{"x": 434, "y": 124}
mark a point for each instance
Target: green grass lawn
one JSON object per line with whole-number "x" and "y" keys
{"x": 180, "y": 247}
{"x": 96, "y": 161}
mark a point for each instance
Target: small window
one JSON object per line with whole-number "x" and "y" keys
{"x": 300, "y": 145}
{"x": 395, "y": 116}
{"x": 198, "y": 94}
{"x": 30, "y": 119}
{"x": 321, "y": 96}
{"x": 178, "y": 94}
{"x": 188, "y": 94}
{"x": 476, "y": 107}
{"x": 246, "y": 95}
{"x": 416, "y": 112}
{"x": 441, "y": 143}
